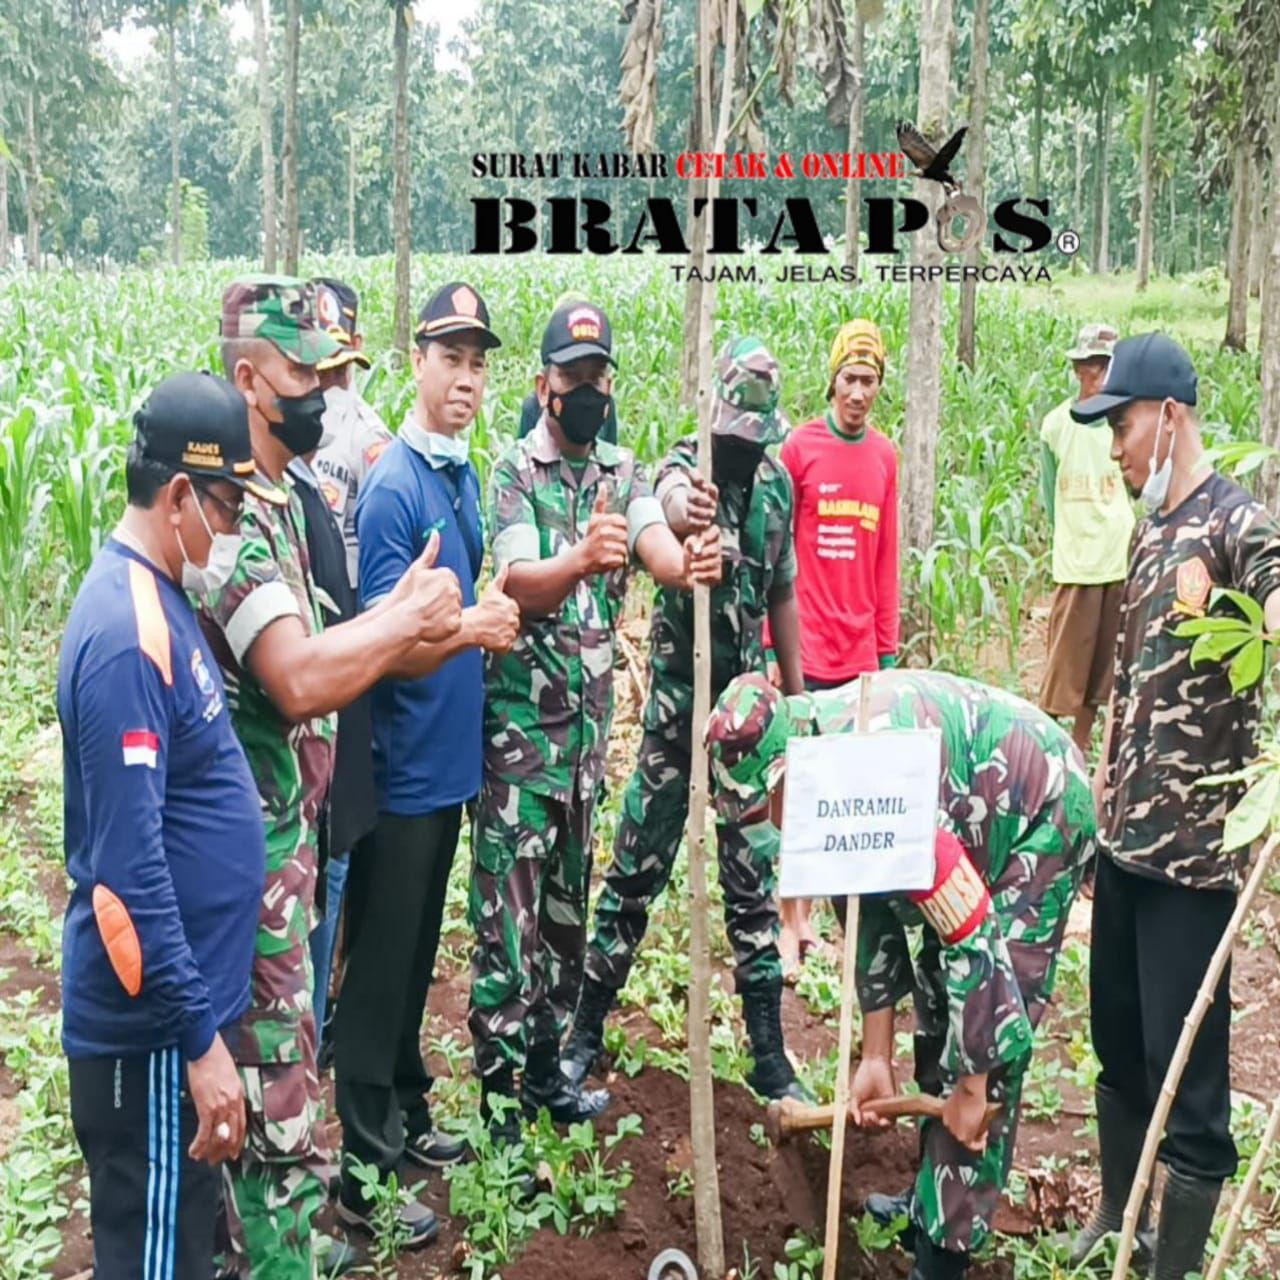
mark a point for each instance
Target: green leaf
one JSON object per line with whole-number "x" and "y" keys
{"x": 1251, "y": 817}
{"x": 1245, "y": 603}
{"x": 1204, "y": 626}
{"x": 1216, "y": 646}
{"x": 1246, "y": 668}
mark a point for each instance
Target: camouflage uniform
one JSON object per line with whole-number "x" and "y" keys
{"x": 754, "y": 518}
{"x": 1015, "y": 793}
{"x": 548, "y": 707}
{"x": 280, "y": 1180}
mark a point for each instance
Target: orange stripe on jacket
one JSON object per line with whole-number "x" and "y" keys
{"x": 153, "y": 626}
{"x": 959, "y": 900}
{"x": 119, "y": 937}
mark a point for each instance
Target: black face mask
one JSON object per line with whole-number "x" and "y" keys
{"x": 580, "y": 412}
{"x": 734, "y": 460}
{"x": 301, "y": 420}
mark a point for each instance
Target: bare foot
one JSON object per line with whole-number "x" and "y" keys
{"x": 789, "y": 953}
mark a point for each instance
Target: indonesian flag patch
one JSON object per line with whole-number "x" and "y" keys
{"x": 140, "y": 747}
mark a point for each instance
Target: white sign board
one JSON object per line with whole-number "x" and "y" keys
{"x": 859, "y": 813}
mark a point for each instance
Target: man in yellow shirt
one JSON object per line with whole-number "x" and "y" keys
{"x": 1092, "y": 522}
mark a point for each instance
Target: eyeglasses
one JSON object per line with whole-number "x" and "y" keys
{"x": 233, "y": 511}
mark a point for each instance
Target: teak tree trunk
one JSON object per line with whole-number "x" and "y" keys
{"x": 31, "y": 244}
{"x": 1238, "y": 260}
{"x": 175, "y": 141}
{"x": 1147, "y": 215}
{"x": 853, "y": 189}
{"x": 292, "y": 38}
{"x": 400, "y": 149}
{"x": 1269, "y": 338}
{"x": 975, "y": 176}
{"x": 261, "y": 47}
{"x": 1101, "y": 181}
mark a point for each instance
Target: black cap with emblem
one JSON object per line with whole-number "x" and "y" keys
{"x": 453, "y": 310}
{"x": 337, "y": 313}
{"x": 577, "y": 329}
{"x": 1150, "y": 366}
{"x": 198, "y": 423}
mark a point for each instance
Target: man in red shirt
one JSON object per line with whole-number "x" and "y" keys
{"x": 845, "y": 476}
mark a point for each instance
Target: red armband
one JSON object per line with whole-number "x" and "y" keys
{"x": 959, "y": 900}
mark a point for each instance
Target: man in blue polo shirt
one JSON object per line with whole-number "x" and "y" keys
{"x": 427, "y": 752}
{"x": 164, "y": 844}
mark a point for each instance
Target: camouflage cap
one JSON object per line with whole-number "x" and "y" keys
{"x": 747, "y": 385}
{"x": 280, "y": 309}
{"x": 746, "y": 740}
{"x": 1094, "y": 341}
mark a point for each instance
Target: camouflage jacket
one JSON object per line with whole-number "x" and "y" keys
{"x": 291, "y": 764}
{"x": 1172, "y": 725}
{"x": 549, "y": 702}
{"x": 1015, "y": 792}
{"x": 759, "y": 554}
{"x": 359, "y": 437}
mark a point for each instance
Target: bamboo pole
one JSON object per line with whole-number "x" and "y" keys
{"x": 706, "y": 1179}
{"x": 848, "y": 993}
{"x": 1246, "y": 1192}
{"x": 1190, "y": 1026}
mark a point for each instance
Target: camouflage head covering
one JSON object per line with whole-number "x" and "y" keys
{"x": 280, "y": 309}
{"x": 747, "y": 384}
{"x": 1094, "y": 342}
{"x": 747, "y": 742}
{"x": 858, "y": 342}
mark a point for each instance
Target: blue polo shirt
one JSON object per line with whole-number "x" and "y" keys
{"x": 164, "y": 837}
{"x": 426, "y": 733}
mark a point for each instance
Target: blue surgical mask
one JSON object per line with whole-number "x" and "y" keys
{"x": 445, "y": 451}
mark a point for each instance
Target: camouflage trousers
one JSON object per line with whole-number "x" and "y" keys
{"x": 528, "y": 908}
{"x": 280, "y": 1181}
{"x": 655, "y": 807}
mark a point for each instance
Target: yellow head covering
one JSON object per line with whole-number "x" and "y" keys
{"x": 858, "y": 342}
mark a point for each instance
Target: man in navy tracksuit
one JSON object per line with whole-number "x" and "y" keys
{"x": 426, "y": 754}
{"x": 164, "y": 843}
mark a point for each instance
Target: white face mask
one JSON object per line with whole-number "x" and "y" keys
{"x": 1156, "y": 489}
{"x": 224, "y": 550}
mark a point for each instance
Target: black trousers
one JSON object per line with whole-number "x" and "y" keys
{"x": 151, "y": 1206}
{"x": 395, "y": 904}
{"x": 1151, "y": 945}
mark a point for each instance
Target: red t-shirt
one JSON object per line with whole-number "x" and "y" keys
{"x": 846, "y": 534}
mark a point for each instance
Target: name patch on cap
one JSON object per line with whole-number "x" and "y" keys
{"x": 585, "y": 324}
{"x": 202, "y": 453}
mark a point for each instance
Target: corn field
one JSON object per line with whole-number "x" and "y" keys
{"x": 78, "y": 354}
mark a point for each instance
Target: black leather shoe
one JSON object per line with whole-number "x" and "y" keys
{"x": 546, "y": 1085}
{"x": 419, "y": 1222}
{"x": 433, "y": 1149}
{"x": 586, "y": 1040}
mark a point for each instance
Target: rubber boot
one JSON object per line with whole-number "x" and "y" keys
{"x": 936, "y": 1263}
{"x": 1186, "y": 1214}
{"x": 772, "y": 1075}
{"x": 1120, "y": 1137}
{"x": 545, "y": 1085}
{"x": 504, "y": 1129}
{"x": 586, "y": 1040}
{"x": 887, "y": 1209}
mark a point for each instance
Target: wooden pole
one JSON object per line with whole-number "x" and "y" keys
{"x": 1190, "y": 1026}
{"x": 1246, "y": 1192}
{"x": 706, "y": 1179}
{"x": 848, "y": 994}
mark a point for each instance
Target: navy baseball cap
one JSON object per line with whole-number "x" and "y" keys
{"x": 577, "y": 329}
{"x": 456, "y": 308}
{"x": 1149, "y": 367}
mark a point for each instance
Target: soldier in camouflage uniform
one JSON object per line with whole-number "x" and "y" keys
{"x": 753, "y": 514}
{"x": 284, "y": 680}
{"x": 568, "y": 513}
{"x": 1016, "y": 824}
{"x": 1166, "y": 887}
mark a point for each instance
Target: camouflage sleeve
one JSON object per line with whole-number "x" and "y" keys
{"x": 1253, "y": 550}
{"x": 643, "y": 509}
{"x": 784, "y": 572}
{"x": 674, "y": 471}
{"x": 987, "y": 1023}
{"x": 255, "y": 595}
{"x": 512, "y": 518}
{"x": 884, "y": 962}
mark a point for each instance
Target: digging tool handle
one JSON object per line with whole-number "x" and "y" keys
{"x": 787, "y": 1116}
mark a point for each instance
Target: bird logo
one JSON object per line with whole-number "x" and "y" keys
{"x": 934, "y": 165}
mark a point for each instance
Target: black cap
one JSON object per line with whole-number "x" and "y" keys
{"x": 337, "y": 311}
{"x": 1149, "y": 367}
{"x": 198, "y": 423}
{"x": 455, "y": 308}
{"x": 577, "y": 329}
